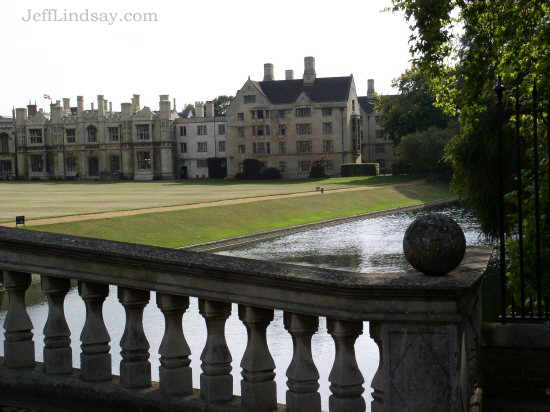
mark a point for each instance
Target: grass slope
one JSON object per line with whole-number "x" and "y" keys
{"x": 181, "y": 228}
{"x": 52, "y": 199}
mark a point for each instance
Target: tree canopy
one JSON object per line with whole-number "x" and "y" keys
{"x": 221, "y": 104}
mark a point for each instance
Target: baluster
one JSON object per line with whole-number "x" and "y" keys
{"x": 216, "y": 379}
{"x": 135, "y": 368}
{"x": 377, "y": 404}
{"x": 95, "y": 359}
{"x": 58, "y": 358}
{"x": 303, "y": 377}
{"x": 18, "y": 343}
{"x": 258, "y": 388}
{"x": 175, "y": 373}
{"x": 345, "y": 377}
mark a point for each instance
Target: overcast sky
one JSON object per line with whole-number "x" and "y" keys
{"x": 195, "y": 50}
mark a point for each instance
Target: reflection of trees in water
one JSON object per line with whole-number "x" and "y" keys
{"x": 349, "y": 259}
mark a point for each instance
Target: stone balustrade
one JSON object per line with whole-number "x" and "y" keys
{"x": 426, "y": 328}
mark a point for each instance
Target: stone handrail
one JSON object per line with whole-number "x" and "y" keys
{"x": 426, "y": 327}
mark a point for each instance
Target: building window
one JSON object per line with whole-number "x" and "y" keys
{"x": 304, "y": 146}
{"x": 263, "y": 130}
{"x": 249, "y": 99}
{"x": 92, "y": 134}
{"x": 328, "y": 146}
{"x": 282, "y": 129}
{"x": 282, "y": 113}
{"x": 71, "y": 135}
{"x": 221, "y": 146}
{"x": 327, "y": 111}
{"x": 240, "y": 116}
{"x": 183, "y": 131}
{"x": 241, "y": 149}
{"x": 144, "y": 160}
{"x": 93, "y": 166}
{"x": 114, "y": 134}
{"x": 240, "y": 131}
{"x": 142, "y": 132}
{"x": 4, "y": 143}
{"x": 183, "y": 147}
{"x": 259, "y": 114}
{"x": 379, "y": 148}
{"x": 353, "y": 105}
{"x": 71, "y": 164}
{"x": 327, "y": 128}
{"x": 37, "y": 163}
{"x": 202, "y": 163}
{"x": 115, "y": 163}
{"x": 259, "y": 147}
{"x": 282, "y": 147}
{"x": 282, "y": 166}
{"x": 202, "y": 130}
{"x": 304, "y": 165}
{"x": 221, "y": 129}
{"x": 303, "y": 112}
{"x": 303, "y": 129}
{"x": 35, "y": 135}
{"x": 202, "y": 147}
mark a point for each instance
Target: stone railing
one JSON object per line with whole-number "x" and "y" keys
{"x": 426, "y": 328}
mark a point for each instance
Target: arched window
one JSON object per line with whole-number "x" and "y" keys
{"x": 4, "y": 143}
{"x": 92, "y": 134}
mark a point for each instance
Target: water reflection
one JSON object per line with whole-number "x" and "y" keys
{"x": 369, "y": 245}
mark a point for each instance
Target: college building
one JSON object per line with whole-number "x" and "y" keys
{"x": 71, "y": 142}
{"x": 292, "y": 124}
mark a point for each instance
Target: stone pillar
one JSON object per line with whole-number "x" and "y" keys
{"x": 345, "y": 377}
{"x": 95, "y": 359}
{"x": 258, "y": 388}
{"x": 216, "y": 381}
{"x": 174, "y": 371}
{"x": 420, "y": 369}
{"x": 135, "y": 368}
{"x": 303, "y": 377}
{"x": 18, "y": 343}
{"x": 58, "y": 357}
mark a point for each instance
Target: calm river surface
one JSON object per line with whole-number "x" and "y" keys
{"x": 365, "y": 246}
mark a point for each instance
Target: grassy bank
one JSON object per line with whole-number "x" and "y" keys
{"x": 187, "y": 227}
{"x": 50, "y": 199}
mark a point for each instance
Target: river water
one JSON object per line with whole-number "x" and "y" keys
{"x": 366, "y": 246}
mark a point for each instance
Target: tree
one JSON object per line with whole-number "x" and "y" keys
{"x": 221, "y": 104}
{"x": 189, "y": 108}
{"x": 423, "y": 151}
{"x": 412, "y": 110}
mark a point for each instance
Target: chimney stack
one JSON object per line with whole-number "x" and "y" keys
{"x": 100, "y": 105}
{"x": 66, "y": 105}
{"x": 164, "y": 106}
{"x": 80, "y": 104}
{"x": 126, "y": 109}
{"x": 289, "y": 74}
{"x": 268, "y": 72}
{"x": 110, "y": 107}
{"x": 370, "y": 89}
{"x": 135, "y": 102}
{"x": 309, "y": 70}
{"x": 31, "y": 110}
{"x": 199, "y": 109}
{"x": 209, "y": 109}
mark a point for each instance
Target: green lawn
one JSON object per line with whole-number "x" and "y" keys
{"x": 186, "y": 227}
{"x": 51, "y": 199}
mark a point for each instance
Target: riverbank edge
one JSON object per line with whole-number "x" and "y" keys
{"x": 231, "y": 243}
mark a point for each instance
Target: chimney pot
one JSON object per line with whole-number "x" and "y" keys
{"x": 370, "y": 89}
{"x": 268, "y": 72}
{"x": 309, "y": 70}
{"x": 289, "y": 74}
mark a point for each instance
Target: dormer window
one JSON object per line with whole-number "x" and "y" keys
{"x": 249, "y": 99}
{"x": 303, "y": 112}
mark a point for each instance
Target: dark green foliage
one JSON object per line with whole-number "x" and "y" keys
{"x": 217, "y": 168}
{"x": 360, "y": 169}
{"x": 317, "y": 170}
{"x": 221, "y": 104}
{"x": 255, "y": 170}
{"x": 270, "y": 173}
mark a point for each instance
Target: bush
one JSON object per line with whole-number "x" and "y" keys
{"x": 317, "y": 171}
{"x": 269, "y": 173}
{"x": 360, "y": 169}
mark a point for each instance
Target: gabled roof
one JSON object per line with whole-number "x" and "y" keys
{"x": 324, "y": 89}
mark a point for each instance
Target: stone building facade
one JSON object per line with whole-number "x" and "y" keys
{"x": 7, "y": 148}
{"x": 293, "y": 124}
{"x": 70, "y": 142}
{"x": 199, "y": 138}
{"x": 377, "y": 146}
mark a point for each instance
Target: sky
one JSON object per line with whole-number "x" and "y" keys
{"x": 191, "y": 50}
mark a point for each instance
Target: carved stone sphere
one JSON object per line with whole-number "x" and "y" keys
{"x": 434, "y": 244}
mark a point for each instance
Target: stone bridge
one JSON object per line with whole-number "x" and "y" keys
{"x": 426, "y": 328}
